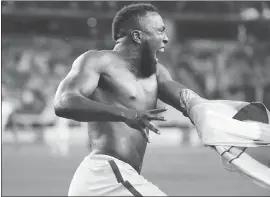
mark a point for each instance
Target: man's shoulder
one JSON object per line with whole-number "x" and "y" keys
{"x": 101, "y": 56}
{"x": 96, "y": 54}
{"x": 160, "y": 68}
{"x": 96, "y": 58}
{"x": 163, "y": 72}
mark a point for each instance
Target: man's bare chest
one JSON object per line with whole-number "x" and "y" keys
{"x": 125, "y": 88}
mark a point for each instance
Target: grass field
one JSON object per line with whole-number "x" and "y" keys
{"x": 31, "y": 170}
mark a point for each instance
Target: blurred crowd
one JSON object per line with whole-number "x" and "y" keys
{"x": 33, "y": 67}
{"x": 173, "y": 6}
{"x": 225, "y": 70}
{"x": 37, "y": 53}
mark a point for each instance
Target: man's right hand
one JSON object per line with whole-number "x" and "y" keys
{"x": 140, "y": 120}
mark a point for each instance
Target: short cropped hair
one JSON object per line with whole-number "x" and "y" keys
{"x": 132, "y": 11}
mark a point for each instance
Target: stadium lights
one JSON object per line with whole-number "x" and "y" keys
{"x": 250, "y": 14}
{"x": 266, "y": 13}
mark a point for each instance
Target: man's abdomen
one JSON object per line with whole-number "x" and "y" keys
{"x": 120, "y": 141}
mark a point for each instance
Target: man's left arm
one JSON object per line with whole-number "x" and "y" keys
{"x": 169, "y": 89}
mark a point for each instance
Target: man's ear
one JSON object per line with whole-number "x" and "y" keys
{"x": 136, "y": 36}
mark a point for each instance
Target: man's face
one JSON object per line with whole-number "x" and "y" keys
{"x": 153, "y": 36}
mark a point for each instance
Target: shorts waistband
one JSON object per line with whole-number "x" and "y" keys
{"x": 104, "y": 157}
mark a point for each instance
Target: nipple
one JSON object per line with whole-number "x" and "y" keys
{"x": 132, "y": 97}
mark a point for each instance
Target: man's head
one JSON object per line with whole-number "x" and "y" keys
{"x": 141, "y": 24}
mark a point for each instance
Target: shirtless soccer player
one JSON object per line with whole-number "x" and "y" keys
{"x": 118, "y": 89}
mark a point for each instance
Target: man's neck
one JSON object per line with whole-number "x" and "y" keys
{"x": 131, "y": 53}
{"x": 136, "y": 56}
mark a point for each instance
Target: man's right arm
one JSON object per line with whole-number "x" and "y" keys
{"x": 72, "y": 96}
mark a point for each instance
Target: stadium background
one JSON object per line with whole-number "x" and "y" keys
{"x": 220, "y": 49}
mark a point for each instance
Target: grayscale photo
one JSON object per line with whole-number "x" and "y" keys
{"x": 135, "y": 98}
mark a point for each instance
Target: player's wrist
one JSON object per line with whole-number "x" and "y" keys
{"x": 188, "y": 99}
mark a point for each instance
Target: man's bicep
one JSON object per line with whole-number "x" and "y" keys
{"x": 165, "y": 82}
{"x": 82, "y": 79}
{"x": 83, "y": 83}
{"x": 168, "y": 89}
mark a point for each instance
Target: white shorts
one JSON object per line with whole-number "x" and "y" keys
{"x": 103, "y": 175}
